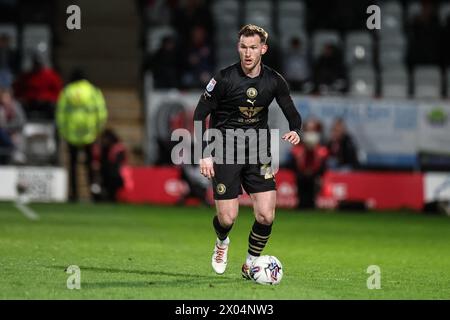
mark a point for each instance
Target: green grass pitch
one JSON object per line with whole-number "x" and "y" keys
{"x": 156, "y": 252}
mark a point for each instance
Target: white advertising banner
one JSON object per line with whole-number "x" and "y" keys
{"x": 386, "y": 132}
{"x": 437, "y": 187}
{"x": 379, "y": 127}
{"x": 434, "y": 128}
{"x": 40, "y": 184}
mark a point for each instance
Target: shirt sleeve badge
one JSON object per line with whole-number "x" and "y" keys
{"x": 211, "y": 85}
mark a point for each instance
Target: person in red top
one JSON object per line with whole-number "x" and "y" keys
{"x": 309, "y": 161}
{"x": 38, "y": 90}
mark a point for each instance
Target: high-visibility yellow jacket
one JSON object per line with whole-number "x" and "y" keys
{"x": 81, "y": 112}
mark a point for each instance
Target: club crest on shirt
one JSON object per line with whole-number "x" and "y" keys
{"x": 211, "y": 85}
{"x": 252, "y": 93}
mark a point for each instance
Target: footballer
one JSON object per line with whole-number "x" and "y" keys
{"x": 238, "y": 97}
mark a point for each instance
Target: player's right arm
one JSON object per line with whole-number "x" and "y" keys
{"x": 206, "y": 105}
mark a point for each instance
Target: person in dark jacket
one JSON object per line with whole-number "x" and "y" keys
{"x": 341, "y": 148}
{"x": 164, "y": 64}
{"x": 9, "y": 62}
{"x": 109, "y": 156}
{"x": 330, "y": 74}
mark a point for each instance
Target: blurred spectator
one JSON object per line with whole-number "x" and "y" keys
{"x": 9, "y": 62}
{"x": 309, "y": 161}
{"x": 81, "y": 115}
{"x": 38, "y": 90}
{"x": 164, "y": 64}
{"x": 199, "y": 60}
{"x": 109, "y": 156}
{"x": 341, "y": 148}
{"x": 159, "y": 12}
{"x": 424, "y": 46}
{"x": 330, "y": 74}
{"x": 12, "y": 121}
{"x": 192, "y": 14}
{"x": 296, "y": 65}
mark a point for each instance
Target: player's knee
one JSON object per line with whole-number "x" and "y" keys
{"x": 226, "y": 218}
{"x": 265, "y": 217}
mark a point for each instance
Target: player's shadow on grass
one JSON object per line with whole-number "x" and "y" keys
{"x": 179, "y": 283}
{"x": 182, "y": 278}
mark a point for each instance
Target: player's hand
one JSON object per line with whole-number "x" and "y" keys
{"x": 292, "y": 137}
{"x": 206, "y": 167}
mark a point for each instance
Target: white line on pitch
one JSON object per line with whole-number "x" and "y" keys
{"x": 27, "y": 211}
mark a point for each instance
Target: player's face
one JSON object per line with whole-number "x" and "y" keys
{"x": 250, "y": 51}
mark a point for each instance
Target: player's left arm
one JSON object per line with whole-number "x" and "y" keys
{"x": 284, "y": 100}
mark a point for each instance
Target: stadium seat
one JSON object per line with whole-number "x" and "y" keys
{"x": 291, "y": 16}
{"x": 155, "y": 36}
{"x": 225, "y": 20}
{"x": 362, "y": 81}
{"x": 358, "y": 48}
{"x": 259, "y": 13}
{"x": 226, "y": 14}
{"x": 427, "y": 82}
{"x": 291, "y": 8}
{"x": 225, "y": 7}
{"x": 258, "y": 7}
{"x": 392, "y": 50}
{"x": 391, "y": 17}
{"x": 40, "y": 143}
{"x": 292, "y": 22}
{"x": 290, "y": 25}
{"x": 444, "y": 12}
{"x": 322, "y": 37}
{"x": 413, "y": 9}
{"x": 227, "y": 28}
{"x": 36, "y": 38}
{"x": 394, "y": 83}
{"x": 11, "y": 31}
